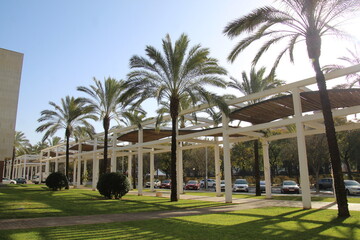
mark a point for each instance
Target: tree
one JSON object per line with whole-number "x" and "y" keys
{"x": 175, "y": 74}
{"x": 71, "y": 113}
{"x": 256, "y": 82}
{"x": 106, "y": 99}
{"x": 21, "y": 145}
{"x": 352, "y": 59}
{"x": 295, "y": 21}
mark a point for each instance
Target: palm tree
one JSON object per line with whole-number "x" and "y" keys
{"x": 295, "y": 21}
{"x": 106, "y": 99}
{"x": 55, "y": 140}
{"x": 21, "y": 145}
{"x": 352, "y": 59}
{"x": 176, "y": 73}
{"x": 255, "y": 83}
{"x": 71, "y": 113}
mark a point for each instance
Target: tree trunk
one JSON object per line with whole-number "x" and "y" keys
{"x": 174, "y": 112}
{"x": 67, "y": 135}
{"x": 257, "y": 168}
{"x": 341, "y": 199}
{"x": 105, "y": 166}
{"x": 346, "y": 160}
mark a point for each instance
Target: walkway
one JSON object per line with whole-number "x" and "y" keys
{"x": 238, "y": 204}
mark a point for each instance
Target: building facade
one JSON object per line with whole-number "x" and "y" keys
{"x": 10, "y": 75}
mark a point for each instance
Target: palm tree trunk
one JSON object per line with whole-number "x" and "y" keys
{"x": 257, "y": 168}
{"x": 67, "y": 135}
{"x": 106, "y": 125}
{"x": 341, "y": 199}
{"x": 174, "y": 112}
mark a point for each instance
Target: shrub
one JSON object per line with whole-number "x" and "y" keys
{"x": 113, "y": 185}
{"x": 56, "y": 181}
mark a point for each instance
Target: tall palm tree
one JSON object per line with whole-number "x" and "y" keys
{"x": 256, "y": 82}
{"x": 176, "y": 73}
{"x": 295, "y": 21}
{"x": 71, "y": 113}
{"x": 106, "y": 99}
{"x": 21, "y": 145}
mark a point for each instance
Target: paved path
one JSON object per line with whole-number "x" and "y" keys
{"x": 238, "y": 204}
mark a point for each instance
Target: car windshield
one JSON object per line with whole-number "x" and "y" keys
{"x": 241, "y": 181}
{"x": 222, "y": 182}
{"x": 192, "y": 182}
{"x": 166, "y": 181}
{"x": 262, "y": 182}
{"x": 289, "y": 183}
{"x": 351, "y": 183}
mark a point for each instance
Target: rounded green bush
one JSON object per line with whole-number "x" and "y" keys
{"x": 56, "y": 181}
{"x": 113, "y": 185}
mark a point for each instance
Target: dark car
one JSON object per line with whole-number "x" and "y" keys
{"x": 290, "y": 187}
{"x": 192, "y": 185}
{"x": 166, "y": 184}
{"x": 20, "y": 181}
{"x": 325, "y": 183}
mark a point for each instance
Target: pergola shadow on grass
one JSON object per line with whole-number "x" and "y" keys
{"x": 37, "y": 201}
{"x": 265, "y": 223}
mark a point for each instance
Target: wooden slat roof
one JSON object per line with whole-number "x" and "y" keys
{"x": 85, "y": 147}
{"x": 281, "y": 107}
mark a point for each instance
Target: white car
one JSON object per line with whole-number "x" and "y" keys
{"x": 352, "y": 187}
{"x": 157, "y": 184}
{"x": 241, "y": 185}
{"x": 8, "y": 181}
{"x": 222, "y": 185}
{"x": 210, "y": 183}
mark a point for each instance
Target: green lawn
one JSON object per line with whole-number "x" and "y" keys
{"x": 276, "y": 197}
{"x": 266, "y": 223}
{"x": 27, "y": 201}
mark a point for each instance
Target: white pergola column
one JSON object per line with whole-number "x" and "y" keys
{"x": 152, "y": 169}
{"x": 85, "y": 169}
{"x": 95, "y": 174}
{"x": 179, "y": 169}
{"x": 217, "y": 168}
{"x": 140, "y": 163}
{"x": 130, "y": 156}
{"x": 40, "y": 168}
{"x": 304, "y": 172}
{"x": 56, "y": 160}
{"x": 113, "y": 154}
{"x": 79, "y": 166}
{"x": 227, "y": 162}
{"x": 74, "y": 171}
{"x": 31, "y": 172}
{"x": 267, "y": 170}
{"x": 24, "y": 170}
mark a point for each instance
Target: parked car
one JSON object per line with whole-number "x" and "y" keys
{"x": 20, "y": 180}
{"x": 222, "y": 185}
{"x": 210, "y": 183}
{"x": 166, "y": 184}
{"x": 192, "y": 185}
{"x": 352, "y": 187}
{"x": 241, "y": 185}
{"x": 157, "y": 183}
{"x": 36, "y": 179}
{"x": 8, "y": 181}
{"x": 262, "y": 186}
{"x": 325, "y": 183}
{"x": 290, "y": 187}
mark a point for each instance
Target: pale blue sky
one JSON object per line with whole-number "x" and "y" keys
{"x": 67, "y": 43}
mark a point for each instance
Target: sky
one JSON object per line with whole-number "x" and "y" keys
{"x": 67, "y": 43}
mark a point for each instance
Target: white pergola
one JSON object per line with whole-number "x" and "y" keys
{"x": 25, "y": 166}
{"x": 132, "y": 140}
